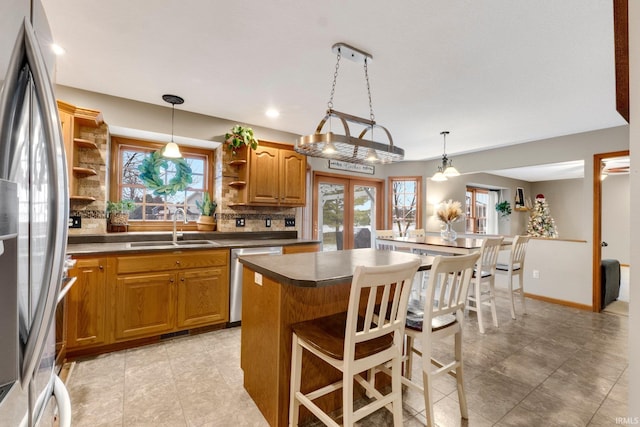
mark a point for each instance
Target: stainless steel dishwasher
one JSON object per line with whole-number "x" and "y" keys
{"x": 235, "y": 285}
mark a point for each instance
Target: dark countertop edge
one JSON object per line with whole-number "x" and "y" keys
{"x": 294, "y": 282}
{"x": 188, "y": 235}
{"x": 94, "y": 248}
{"x": 303, "y": 283}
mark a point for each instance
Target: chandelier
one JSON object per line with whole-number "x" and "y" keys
{"x": 349, "y": 147}
{"x": 446, "y": 170}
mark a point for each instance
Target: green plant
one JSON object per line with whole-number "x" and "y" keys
{"x": 240, "y": 136}
{"x": 120, "y": 206}
{"x": 208, "y": 206}
{"x": 503, "y": 208}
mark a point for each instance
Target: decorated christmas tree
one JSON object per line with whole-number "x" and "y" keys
{"x": 541, "y": 224}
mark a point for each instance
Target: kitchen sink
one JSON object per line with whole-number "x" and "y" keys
{"x": 192, "y": 242}
{"x": 168, "y": 244}
{"x": 153, "y": 244}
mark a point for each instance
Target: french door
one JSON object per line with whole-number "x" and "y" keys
{"x": 346, "y": 211}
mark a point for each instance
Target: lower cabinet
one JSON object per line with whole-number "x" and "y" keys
{"x": 87, "y": 304}
{"x": 126, "y": 297}
{"x": 145, "y": 305}
{"x": 203, "y": 297}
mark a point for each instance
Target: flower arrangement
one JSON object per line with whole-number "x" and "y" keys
{"x": 449, "y": 211}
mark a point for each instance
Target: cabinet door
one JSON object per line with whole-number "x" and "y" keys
{"x": 145, "y": 305}
{"x": 264, "y": 176}
{"x": 203, "y": 297}
{"x": 292, "y": 178}
{"x": 87, "y": 304}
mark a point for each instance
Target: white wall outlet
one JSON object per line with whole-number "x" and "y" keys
{"x": 536, "y": 274}
{"x": 257, "y": 278}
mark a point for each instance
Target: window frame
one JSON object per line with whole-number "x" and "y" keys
{"x": 115, "y": 177}
{"x": 472, "y": 218}
{"x": 390, "y": 200}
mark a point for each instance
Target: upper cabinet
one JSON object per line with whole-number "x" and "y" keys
{"x": 81, "y": 147}
{"x": 271, "y": 175}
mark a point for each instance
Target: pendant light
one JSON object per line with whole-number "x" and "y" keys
{"x": 446, "y": 170}
{"x": 171, "y": 150}
{"x": 347, "y": 147}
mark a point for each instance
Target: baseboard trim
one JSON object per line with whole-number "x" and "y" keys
{"x": 559, "y": 302}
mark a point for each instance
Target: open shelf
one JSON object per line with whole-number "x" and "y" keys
{"x": 238, "y": 162}
{"x": 84, "y": 171}
{"x": 86, "y": 199}
{"x": 237, "y": 184}
{"x": 85, "y": 143}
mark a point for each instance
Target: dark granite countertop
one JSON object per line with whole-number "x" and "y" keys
{"x": 316, "y": 269}
{"x": 161, "y": 242}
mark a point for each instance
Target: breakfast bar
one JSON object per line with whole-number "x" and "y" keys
{"x": 279, "y": 291}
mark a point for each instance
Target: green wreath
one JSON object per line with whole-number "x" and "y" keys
{"x": 150, "y": 174}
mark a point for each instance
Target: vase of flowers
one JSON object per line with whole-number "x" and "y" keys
{"x": 449, "y": 212}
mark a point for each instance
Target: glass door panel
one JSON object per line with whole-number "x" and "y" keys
{"x": 331, "y": 215}
{"x": 347, "y": 210}
{"x": 364, "y": 215}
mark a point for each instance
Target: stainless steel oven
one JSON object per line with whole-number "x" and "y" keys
{"x": 235, "y": 283}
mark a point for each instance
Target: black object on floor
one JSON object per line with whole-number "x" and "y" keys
{"x": 609, "y": 281}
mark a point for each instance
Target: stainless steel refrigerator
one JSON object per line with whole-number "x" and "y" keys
{"x": 34, "y": 209}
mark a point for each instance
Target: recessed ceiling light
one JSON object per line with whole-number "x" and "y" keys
{"x": 57, "y": 49}
{"x": 272, "y": 113}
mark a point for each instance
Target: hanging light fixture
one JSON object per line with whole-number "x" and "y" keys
{"x": 172, "y": 150}
{"x": 347, "y": 147}
{"x": 447, "y": 170}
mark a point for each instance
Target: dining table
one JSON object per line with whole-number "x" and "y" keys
{"x": 436, "y": 245}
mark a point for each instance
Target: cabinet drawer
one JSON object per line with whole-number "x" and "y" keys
{"x": 164, "y": 261}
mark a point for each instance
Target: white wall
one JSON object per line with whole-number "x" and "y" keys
{"x": 615, "y": 218}
{"x": 561, "y": 267}
{"x": 125, "y": 113}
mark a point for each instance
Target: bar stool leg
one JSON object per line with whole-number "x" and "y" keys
{"x": 296, "y": 375}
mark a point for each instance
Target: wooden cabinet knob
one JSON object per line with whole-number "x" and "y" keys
{"x": 171, "y": 280}
{"x": 101, "y": 267}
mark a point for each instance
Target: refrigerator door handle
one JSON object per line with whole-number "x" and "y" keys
{"x": 64, "y": 402}
{"x": 59, "y": 207}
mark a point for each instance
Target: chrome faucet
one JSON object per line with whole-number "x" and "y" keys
{"x": 175, "y": 217}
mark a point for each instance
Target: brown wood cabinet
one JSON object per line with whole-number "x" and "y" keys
{"x": 271, "y": 175}
{"x": 87, "y": 304}
{"x": 203, "y": 297}
{"x": 145, "y": 305}
{"x": 166, "y": 292}
{"x": 296, "y": 249}
{"x": 119, "y": 298}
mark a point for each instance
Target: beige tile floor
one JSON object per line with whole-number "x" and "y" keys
{"x": 555, "y": 366}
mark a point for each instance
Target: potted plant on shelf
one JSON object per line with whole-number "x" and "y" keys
{"x": 240, "y": 136}
{"x": 119, "y": 212}
{"x": 207, "y": 208}
{"x": 504, "y": 209}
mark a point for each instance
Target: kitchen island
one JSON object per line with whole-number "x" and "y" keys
{"x": 279, "y": 291}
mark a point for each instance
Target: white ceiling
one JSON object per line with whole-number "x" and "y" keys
{"x": 493, "y": 72}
